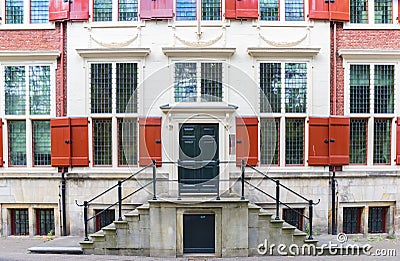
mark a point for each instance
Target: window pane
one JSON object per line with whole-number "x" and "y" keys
{"x": 383, "y": 11}
{"x": 126, "y": 87}
{"x": 351, "y": 220}
{"x": 41, "y": 143}
{"x": 185, "y": 82}
{"x": 101, "y": 88}
{"x": 358, "y": 141}
{"x": 294, "y": 217}
{"x": 21, "y": 222}
{"x": 127, "y": 141}
{"x": 270, "y": 87}
{"x": 377, "y": 219}
{"x": 359, "y": 88}
{"x": 15, "y": 90}
{"x": 269, "y": 10}
{"x": 104, "y": 218}
{"x": 46, "y": 221}
{"x": 14, "y": 11}
{"x": 269, "y": 141}
{"x": 211, "y": 82}
{"x": 128, "y": 10}
{"x": 294, "y": 141}
{"x": 17, "y": 143}
{"x": 102, "y": 151}
{"x": 39, "y": 11}
{"x": 102, "y": 10}
{"x": 294, "y": 10}
{"x": 382, "y": 141}
{"x": 359, "y": 11}
{"x": 384, "y": 89}
{"x": 39, "y": 89}
{"x": 295, "y": 87}
{"x": 211, "y": 9}
{"x": 185, "y": 10}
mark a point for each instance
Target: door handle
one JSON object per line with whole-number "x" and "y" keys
{"x": 326, "y": 141}
{"x": 158, "y": 141}
{"x": 67, "y": 141}
{"x": 238, "y": 141}
{"x": 332, "y": 140}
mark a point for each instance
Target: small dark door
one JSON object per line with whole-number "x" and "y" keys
{"x": 198, "y": 158}
{"x": 199, "y": 233}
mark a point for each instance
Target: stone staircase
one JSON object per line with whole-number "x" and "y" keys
{"x": 134, "y": 234}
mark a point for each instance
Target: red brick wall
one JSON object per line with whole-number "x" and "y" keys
{"x": 357, "y": 39}
{"x": 40, "y": 40}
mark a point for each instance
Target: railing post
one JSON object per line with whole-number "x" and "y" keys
{"x": 154, "y": 181}
{"x": 277, "y": 199}
{"x": 310, "y": 217}
{"x": 242, "y": 180}
{"x": 85, "y": 217}
{"x": 119, "y": 200}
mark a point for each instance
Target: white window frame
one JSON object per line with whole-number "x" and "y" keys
{"x": 115, "y": 17}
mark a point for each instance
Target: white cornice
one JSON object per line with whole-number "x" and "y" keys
{"x": 114, "y": 52}
{"x": 365, "y": 54}
{"x": 29, "y": 55}
{"x": 283, "y": 52}
{"x": 198, "y": 52}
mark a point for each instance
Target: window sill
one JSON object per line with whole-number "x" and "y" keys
{"x": 47, "y": 26}
{"x": 124, "y": 24}
{"x": 306, "y": 24}
{"x": 350, "y": 26}
{"x": 217, "y": 23}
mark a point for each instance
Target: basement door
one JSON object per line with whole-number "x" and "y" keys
{"x": 198, "y": 167}
{"x": 199, "y": 233}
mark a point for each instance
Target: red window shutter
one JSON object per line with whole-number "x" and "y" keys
{"x": 318, "y": 143}
{"x": 79, "y": 142}
{"x": 149, "y": 141}
{"x": 339, "y": 141}
{"x": 156, "y": 9}
{"x": 79, "y": 10}
{"x": 247, "y": 9}
{"x": 145, "y": 9}
{"x": 60, "y": 142}
{"x": 230, "y": 9}
{"x": 339, "y": 10}
{"x": 319, "y": 9}
{"x": 398, "y": 142}
{"x": 1, "y": 143}
{"x": 247, "y": 140}
{"x": 58, "y": 10}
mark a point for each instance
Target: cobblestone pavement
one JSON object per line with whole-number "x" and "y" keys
{"x": 16, "y": 248}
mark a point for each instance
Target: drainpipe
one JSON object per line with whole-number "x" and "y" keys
{"x": 62, "y": 71}
{"x": 334, "y": 69}
{"x": 64, "y": 212}
{"x": 334, "y": 112}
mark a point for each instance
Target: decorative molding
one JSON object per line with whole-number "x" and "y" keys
{"x": 199, "y": 43}
{"x": 33, "y": 55}
{"x": 114, "y": 44}
{"x": 283, "y": 44}
{"x": 198, "y": 52}
{"x": 114, "y": 52}
{"x": 365, "y": 54}
{"x": 283, "y": 52}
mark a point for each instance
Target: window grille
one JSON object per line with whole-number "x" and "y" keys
{"x": 270, "y": 87}
{"x": 14, "y": 11}
{"x": 352, "y": 220}
{"x": 186, "y": 10}
{"x": 185, "y": 82}
{"x": 377, "y": 219}
{"x": 17, "y": 143}
{"x": 211, "y": 9}
{"x": 269, "y": 10}
{"x": 39, "y": 89}
{"x": 45, "y": 221}
{"x": 101, "y": 88}
{"x": 358, "y": 141}
{"x": 128, "y": 10}
{"x": 359, "y": 88}
{"x": 127, "y": 141}
{"x": 383, "y": 11}
{"x": 20, "y": 222}
{"x": 41, "y": 143}
{"x": 294, "y": 141}
{"x": 102, "y": 142}
{"x": 211, "y": 82}
{"x": 126, "y": 87}
{"x": 294, "y": 218}
{"x": 384, "y": 89}
{"x": 39, "y": 11}
{"x": 382, "y": 141}
{"x": 269, "y": 141}
{"x": 102, "y": 10}
{"x": 359, "y": 11}
{"x": 15, "y": 90}
{"x": 104, "y": 219}
{"x": 294, "y": 10}
{"x": 295, "y": 87}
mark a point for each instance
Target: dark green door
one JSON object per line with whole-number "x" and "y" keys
{"x": 199, "y": 233}
{"x": 198, "y": 158}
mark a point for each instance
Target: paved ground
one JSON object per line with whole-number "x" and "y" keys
{"x": 16, "y": 248}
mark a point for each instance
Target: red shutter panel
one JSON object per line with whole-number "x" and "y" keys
{"x": 80, "y": 142}
{"x": 318, "y": 143}
{"x": 1, "y": 143}
{"x": 79, "y": 10}
{"x": 340, "y": 10}
{"x": 247, "y": 140}
{"x": 247, "y": 9}
{"x": 339, "y": 141}
{"x": 58, "y": 10}
{"x": 145, "y": 9}
{"x": 162, "y": 9}
{"x": 319, "y": 9}
{"x": 149, "y": 141}
{"x": 230, "y": 9}
{"x": 60, "y": 142}
{"x": 398, "y": 142}
{"x": 398, "y": 14}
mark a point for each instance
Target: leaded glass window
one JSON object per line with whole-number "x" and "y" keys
{"x": 294, "y": 10}
{"x": 41, "y": 143}
{"x": 382, "y": 141}
{"x": 295, "y": 87}
{"x": 102, "y": 10}
{"x": 39, "y": 11}
{"x": 102, "y": 142}
{"x": 211, "y": 9}
{"x": 128, "y": 10}
{"x": 14, "y": 11}
{"x": 39, "y": 89}
{"x": 186, "y": 10}
{"x": 17, "y": 142}
{"x": 359, "y": 88}
{"x": 270, "y": 87}
{"x": 15, "y": 90}
{"x": 269, "y": 10}
{"x": 294, "y": 141}
{"x": 358, "y": 141}
{"x": 383, "y": 11}
{"x": 359, "y": 11}
{"x": 384, "y": 88}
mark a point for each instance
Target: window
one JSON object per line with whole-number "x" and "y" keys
{"x": 186, "y": 10}
{"x": 294, "y": 217}
{"x": 37, "y": 11}
{"x": 19, "y": 222}
{"x": 27, "y": 110}
{"x": 281, "y": 10}
{"x": 103, "y": 10}
{"x": 269, "y": 10}
{"x": 359, "y": 11}
{"x": 44, "y": 221}
{"x": 294, "y": 10}
{"x": 371, "y": 104}
{"x": 113, "y": 89}
{"x": 104, "y": 218}
{"x": 383, "y": 11}
{"x": 283, "y": 92}
{"x": 377, "y": 219}
{"x": 14, "y": 11}
{"x": 371, "y": 11}
{"x": 198, "y": 82}
{"x": 352, "y": 220}
{"x": 211, "y": 10}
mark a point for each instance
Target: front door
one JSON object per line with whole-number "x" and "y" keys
{"x": 198, "y": 158}
{"x": 199, "y": 233}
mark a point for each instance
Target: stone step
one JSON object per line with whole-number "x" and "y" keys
{"x": 121, "y": 224}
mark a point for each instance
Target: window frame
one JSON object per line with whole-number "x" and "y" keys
{"x": 13, "y": 221}
{"x": 282, "y": 17}
{"x": 115, "y": 15}
{"x": 38, "y": 220}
